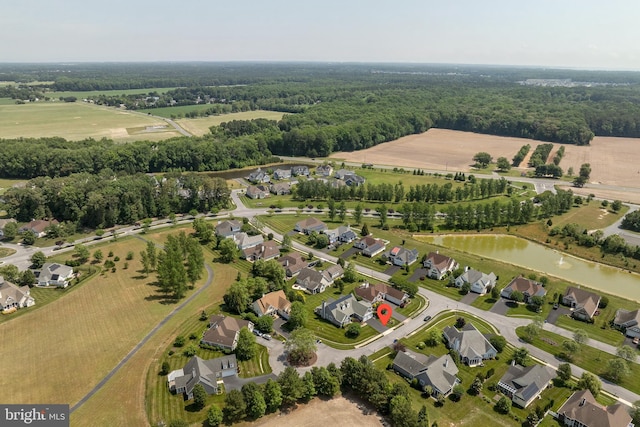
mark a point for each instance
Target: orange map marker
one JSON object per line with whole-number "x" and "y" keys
{"x": 384, "y": 313}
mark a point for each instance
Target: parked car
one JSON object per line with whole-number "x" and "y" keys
{"x": 555, "y": 306}
{"x": 427, "y": 318}
{"x": 257, "y": 332}
{"x": 266, "y": 337}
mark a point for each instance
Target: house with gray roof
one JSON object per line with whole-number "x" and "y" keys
{"x": 523, "y": 385}
{"x": 324, "y": 170}
{"x": 437, "y": 372}
{"x": 244, "y": 241}
{"x": 228, "y": 228}
{"x": 300, "y": 170}
{"x": 209, "y": 373}
{"x": 54, "y": 274}
{"x": 584, "y": 303}
{"x": 628, "y": 322}
{"x": 343, "y": 234}
{"x": 223, "y": 331}
{"x": 470, "y": 344}
{"x": 582, "y": 410}
{"x": 282, "y": 174}
{"x": 370, "y": 246}
{"x": 13, "y": 296}
{"x": 400, "y": 256}
{"x": 344, "y": 310}
{"x": 258, "y": 177}
{"x": 280, "y": 188}
{"x": 309, "y": 225}
{"x": 313, "y": 281}
{"x": 257, "y": 192}
{"x": 480, "y": 282}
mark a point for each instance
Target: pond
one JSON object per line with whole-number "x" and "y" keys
{"x": 517, "y": 251}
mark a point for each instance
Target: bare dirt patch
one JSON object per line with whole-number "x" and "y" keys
{"x": 317, "y": 413}
{"x": 438, "y": 149}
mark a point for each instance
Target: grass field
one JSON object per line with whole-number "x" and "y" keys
{"x": 201, "y": 126}
{"x": 76, "y": 121}
{"x": 178, "y": 110}
{"x": 6, "y": 183}
{"x": 589, "y": 358}
{"x": 100, "y": 322}
{"x": 94, "y": 93}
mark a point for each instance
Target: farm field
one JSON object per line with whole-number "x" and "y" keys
{"x": 200, "y": 126}
{"x": 77, "y": 120}
{"x": 439, "y": 149}
{"x": 101, "y": 322}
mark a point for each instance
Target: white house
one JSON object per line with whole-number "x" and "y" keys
{"x": 628, "y": 321}
{"x": 470, "y": 344}
{"x": 13, "y": 296}
{"x": 439, "y": 265}
{"x": 54, "y": 274}
{"x": 480, "y": 282}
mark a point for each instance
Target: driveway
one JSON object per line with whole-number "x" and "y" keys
{"x": 375, "y": 324}
{"x": 420, "y": 272}
{"x": 277, "y": 326}
{"x": 469, "y": 298}
{"x": 392, "y": 270}
{"x": 555, "y": 314}
{"x": 500, "y": 307}
{"x": 349, "y": 252}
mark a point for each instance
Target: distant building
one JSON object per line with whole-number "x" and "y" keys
{"x": 282, "y": 174}
{"x": 300, "y": 171}
{"x": 324, "y": 170}
{"x": 38, "y": 227}
{"x": 258, "y": 177}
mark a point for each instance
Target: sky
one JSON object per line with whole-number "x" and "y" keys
{"x": 591, "y": 34}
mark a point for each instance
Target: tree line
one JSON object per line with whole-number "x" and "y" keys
{"x": 106, "y": 199}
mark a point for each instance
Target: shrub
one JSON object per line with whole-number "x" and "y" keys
{"x": 179, "y": 342}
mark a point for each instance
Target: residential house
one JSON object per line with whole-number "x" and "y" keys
{"x": 209, "y": 373}
{"x": 342, "y": 234}
{"x": 271, "y": 304}
{"x": 582, "y": 410}
{"x": 381, "y": 291}
{"x": 265, "y": 251}
{"x": 258, "y": 177}
{"x": 333, "y": 272}
{"x": 439, "y": 265}
{"x": 228, "y": 228}
{"x": 282, "y": 174}
{"x": 13, "y": 296}
{"x": 628, "y": 322}
{"x": 370, "y": 246}
{"x": 400, "y": 256}
{"x": 309, "y": 225}
{"x": 38, "y": 227}
{"x": 292, "y": 263}
{"x": 280, "y": 188}
{"x": 257, "y": 192}
{"x": 300, "y": 170}
{"x": 470, "y": 344}
{"x": 528, "y": 288}
{"x": 54, "y": 274}
{"x": 324, "y": 170}
{"x": 437, "y": 372}
{"x": 480, "y": 282}
{"x": 584, "y": 303}
{"x": 314, "y": 282}
{"x": 244, "y": 241}
{"x": 223, "y": 331}
{"x": 343, "y": 173}
{"x": 342, "y": 311}
{"x": 523, "y": 385}
{"x": 354, "y": 180}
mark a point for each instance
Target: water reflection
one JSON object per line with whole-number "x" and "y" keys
{"x": 522, "y": 252}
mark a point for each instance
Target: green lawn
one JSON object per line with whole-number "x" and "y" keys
{"x": 594, "y": 330}
{"x": 588, "y": 358}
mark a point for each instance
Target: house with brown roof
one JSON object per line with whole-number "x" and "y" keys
{"x": 324, "y": 170}
{"x": 309, "y": 225}
{"x": 280, "y": 188}
{"x": 370, "y": 246}
{"x": 439, "y": 265}
{"x": 272, "y": 303}
{"x": 208, "y": 373}
{"x": 379, "y": 292}
{"x": 266, "y": 251}
{"x": 38, "y": 227}
{"x": 584, "y": 303}
{"x": 527, "y": 287}
{"x": 223, "y": 331}
{"x": 313, "y": 281}
{"x": 292, "y": 263}
{"x": 582, "y": 410}
{"x": 13, "y": 297}
{"x": 628, "y": 322}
